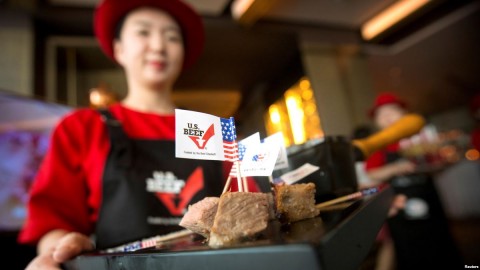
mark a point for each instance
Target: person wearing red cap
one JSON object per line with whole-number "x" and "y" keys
{"x": 385, "y": 164}
{"x": 113, "y": 173}
{"x": 419, "y": 235}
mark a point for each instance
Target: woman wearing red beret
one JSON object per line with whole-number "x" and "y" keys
{"x": 385, "y": 164}
{"x": 113, "y": 173}
{"x": 419, "y": 236}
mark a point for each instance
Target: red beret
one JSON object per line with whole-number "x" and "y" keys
{"x": 110, "y": 12}
{"x": 384, "y": 99}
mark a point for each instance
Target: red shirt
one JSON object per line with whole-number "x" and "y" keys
{"x": 379, "y": 158}
{"x": 66, "y": 193}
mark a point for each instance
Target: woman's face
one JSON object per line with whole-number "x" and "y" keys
{"x": 150, "y": 47}
{"x": 388, "y": 114}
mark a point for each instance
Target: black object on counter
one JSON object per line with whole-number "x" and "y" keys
{"x": 339, "y": 239}
{"x": 335, "y": 157}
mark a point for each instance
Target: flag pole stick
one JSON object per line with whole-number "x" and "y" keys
{"x": 239, "y": 179}
{"x": 245, "y": 184}
{"x": 227, "y": 184}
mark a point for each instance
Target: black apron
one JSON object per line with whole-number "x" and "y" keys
{"x": 146, "y": 190}
{"x": 424, "y": 242}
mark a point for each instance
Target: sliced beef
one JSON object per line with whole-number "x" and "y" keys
{"x": 240, "y": 216}
{"x": 295, "y": 202}
{"x": 271, "y": 207}
{"x": 200, "y": 216}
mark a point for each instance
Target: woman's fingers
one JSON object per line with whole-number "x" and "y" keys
{"x": 43, "y": 262}
{"x": 398, "y": 204}
{"x": 70, "y": 246}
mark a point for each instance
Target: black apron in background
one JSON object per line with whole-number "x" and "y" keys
{"x": 135, "y": 170}
{"x": 421, "y": 231}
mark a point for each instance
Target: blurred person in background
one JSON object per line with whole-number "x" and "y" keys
{"x": 387, "y": 163}
{"x": 93, "y": 189}
{"x": 419, "y": 236}
{"x": 382, "y": 165}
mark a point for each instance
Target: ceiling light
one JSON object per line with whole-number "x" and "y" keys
{"x": 390, "y": 16}
{"x": 247, "y": 12}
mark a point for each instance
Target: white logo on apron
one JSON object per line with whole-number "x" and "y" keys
{"x": 165, "y": 182}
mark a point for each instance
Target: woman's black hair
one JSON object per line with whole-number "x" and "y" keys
{"x": 118, "y": 27}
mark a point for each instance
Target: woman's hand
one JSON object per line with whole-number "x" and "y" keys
{"x": 386, "y": 172}
{"x": 57, "y": 247}
{"x": 402, "y": 167}
{"x": 398, "y": 204}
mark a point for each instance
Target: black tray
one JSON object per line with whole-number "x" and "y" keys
{"x": 337, "y": 239}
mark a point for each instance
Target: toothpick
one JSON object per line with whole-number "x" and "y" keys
{"x": 227, "y": 184}
{"x": 355, "y": 195}
{"x": 245, "y": 184}
{"x": 239, "y": 178}
{"x": 340, "y": 199}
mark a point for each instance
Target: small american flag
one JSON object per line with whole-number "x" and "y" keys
{"x": 233, "y": 170}
{"x": 229, "y": 136}
{"x": 241, "y": 152}
{"x": 251, "y": 143}
{"x": 242, "y": 148}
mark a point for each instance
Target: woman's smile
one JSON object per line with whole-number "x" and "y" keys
{"x": 157, "y": 64}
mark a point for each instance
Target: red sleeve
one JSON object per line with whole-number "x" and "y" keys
{"x": 376, "y": 160}
{"x": 59, "y": 193}
{"x": 379, "y": 158}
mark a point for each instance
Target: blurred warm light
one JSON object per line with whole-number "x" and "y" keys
{"x": 295, "y": 115}
{"x": 472, "y": 154}
{"x": 305, "y": 85}
{"x": 101, "y": 97}
{"x": 96, "y": 97}
{"x": 449, "y": 153}
{"x": 247, "y": 12}
{"x": 274, "y": 114}
{"x": 390, "y": 16}
{"x": 239, "y": 7}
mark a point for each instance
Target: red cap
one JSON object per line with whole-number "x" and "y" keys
{"x": 110, "y": 12}
{"x": 384, "y": 99}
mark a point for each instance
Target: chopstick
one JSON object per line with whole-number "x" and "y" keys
{"x": 149, "y": 242}
{"x": 355, "y": 195}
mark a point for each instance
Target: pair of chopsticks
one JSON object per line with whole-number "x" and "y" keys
{"x": 356, "y": 195}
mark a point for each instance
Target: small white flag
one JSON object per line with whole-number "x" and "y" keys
{"x": 261, "y": 161}
{"x": 245, "y": 146}
{"x": 282, "y": 159}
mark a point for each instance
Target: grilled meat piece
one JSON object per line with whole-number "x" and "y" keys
{"x": 240, "y": 216}
{"x": 200, "y": 216}
{"x": 296, "y": 202}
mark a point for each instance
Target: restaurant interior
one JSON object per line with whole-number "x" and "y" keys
{"x": 306, "y": 68}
